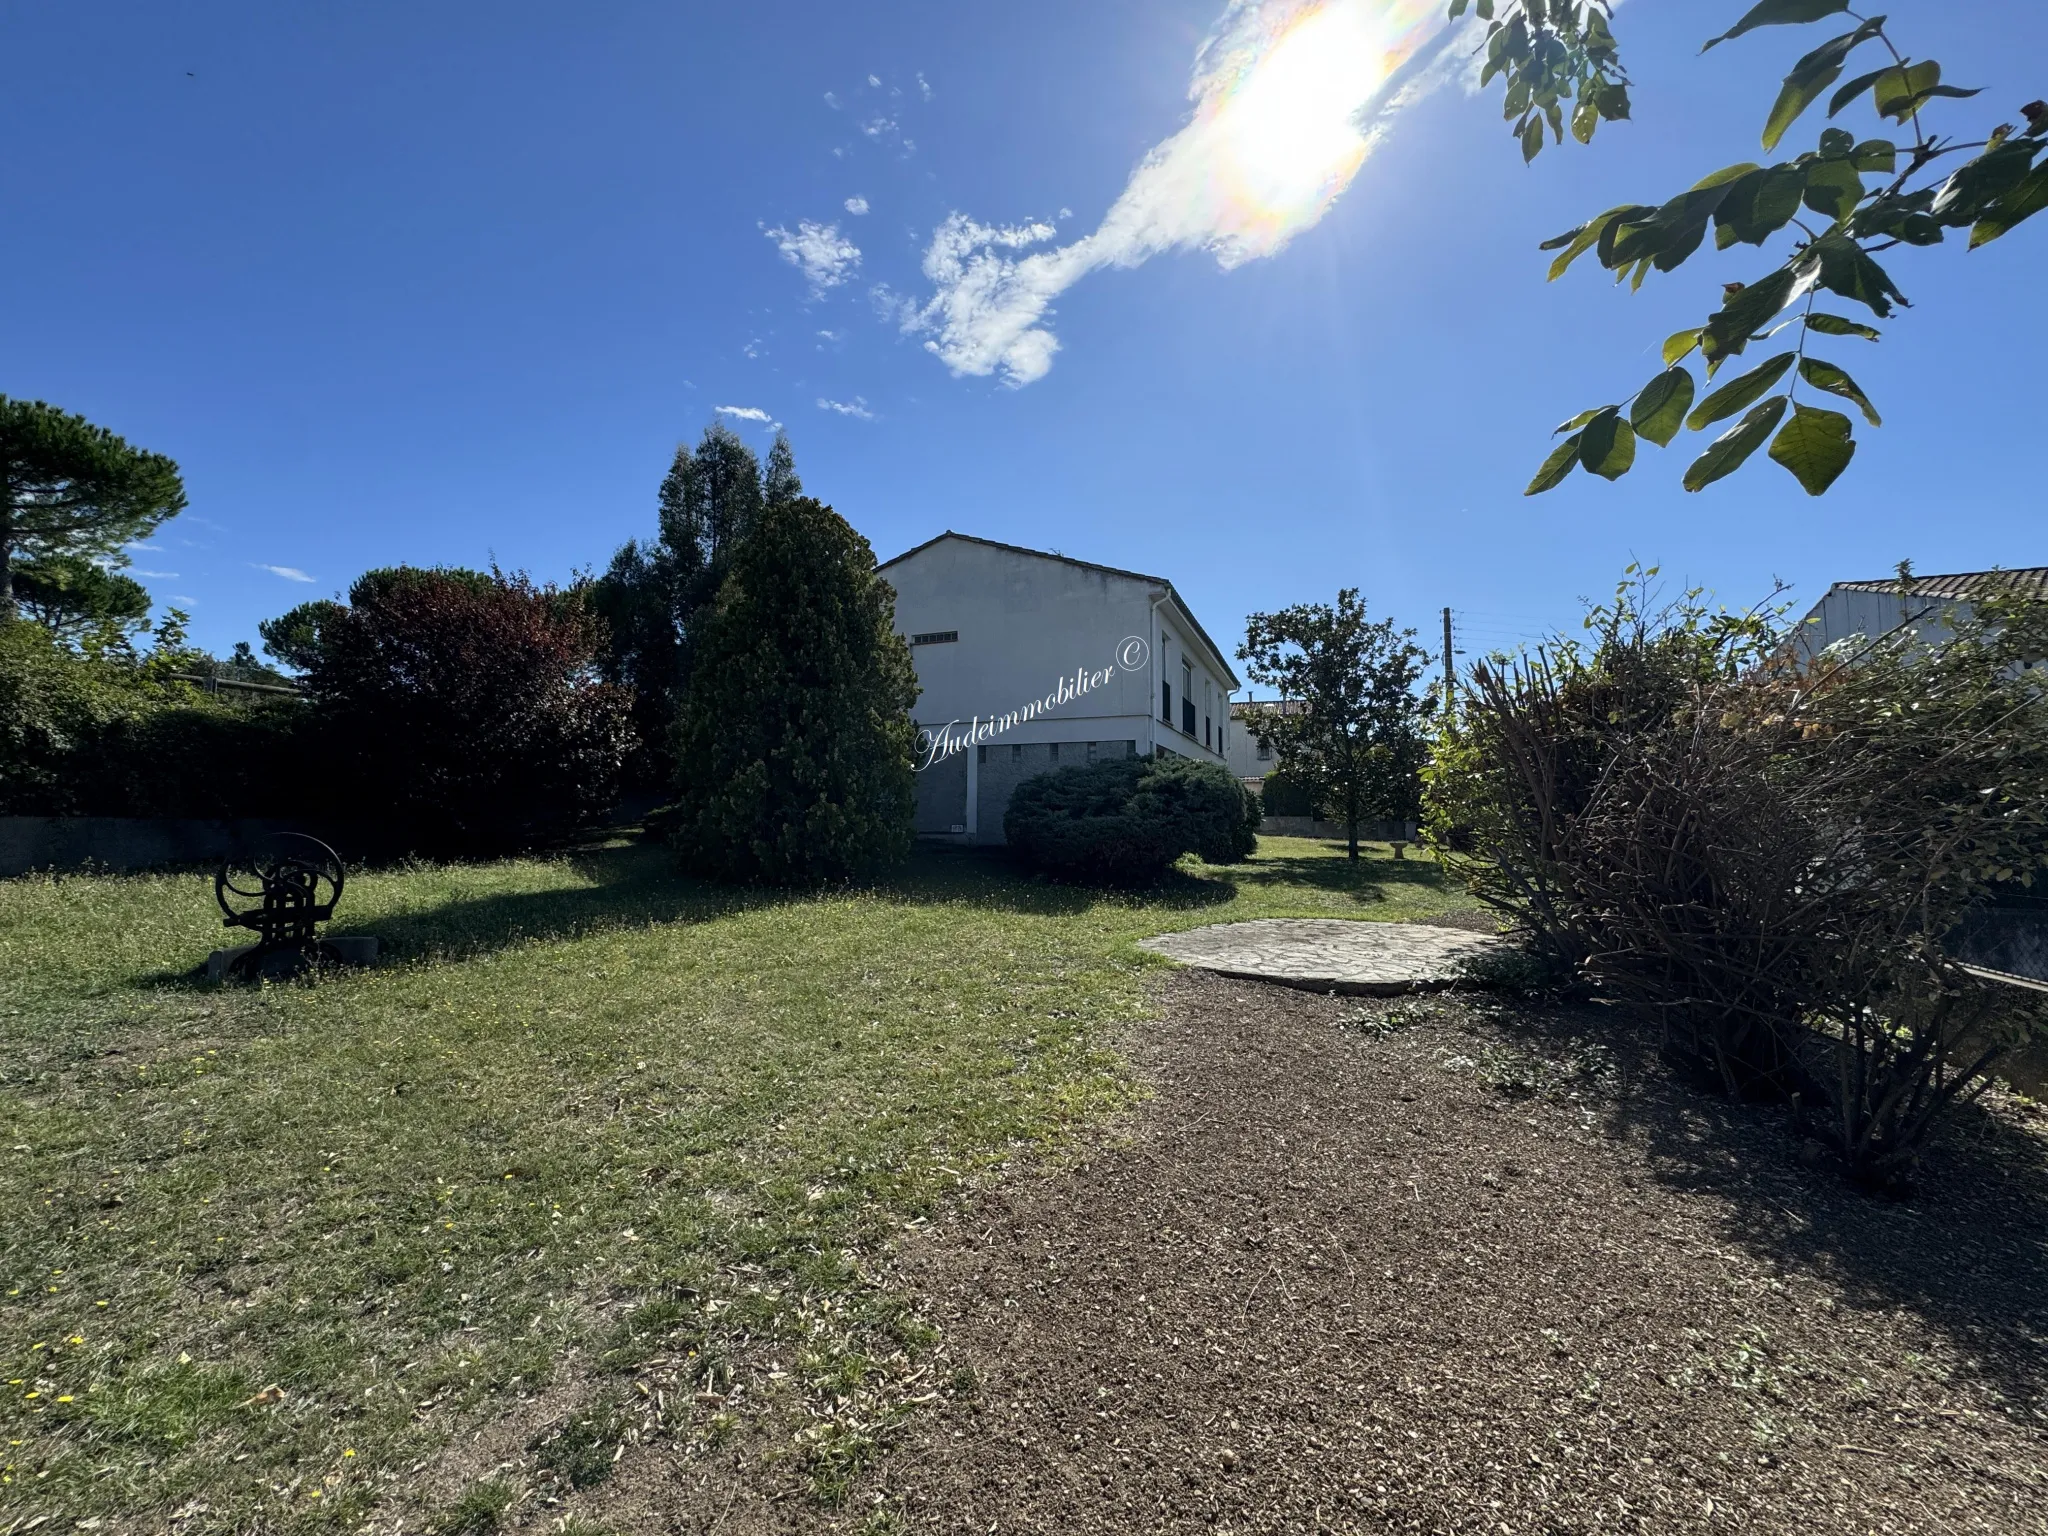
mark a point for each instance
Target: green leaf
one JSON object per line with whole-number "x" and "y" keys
{"x": 1733, "y": 447}
{"x": 1458, "y": 8}
{"x": 1900, "y": 89}
{"x": 1564, "y": 458}
{"x": 1660, "y": 409}
{"x": 1812, "y": 75}
{"x": 1532, "y": 140}
{"x": 1746, "y": 311}
{"x": 1576, "y": 242}
{"x": 1586, "y": 116}
{"x": 1780, "y": 13}
{"x": 1740, "y": 393}
{"x": 1877, "y": 156}
{"x": 1726, "y": 175}
{"x": 1608, "y": 445}
{"x": 1824, "y": 375}
{"x": 1835, "y": 325}
{"x": 1581, "y": 419}
{"x": 1833, "y": 188}
{"x": 1853, "y": 89}
{"x": 1815, "y": 446}
{"x": 1760, "y": 205}
{"x": 1842, "y": 266}
{"x": 2023, "y": 202}
{"x": 1680, "y": 344}
{"x": 1794, "y": 97}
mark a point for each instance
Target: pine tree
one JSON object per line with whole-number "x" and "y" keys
{"x": 73, "y": 597}
{"x": 794, "y": 751}
{"x": 781, "y": 482}
{"x": 68, "y": 487}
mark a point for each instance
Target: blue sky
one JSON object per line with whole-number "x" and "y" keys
{"x": 443, "y": 284}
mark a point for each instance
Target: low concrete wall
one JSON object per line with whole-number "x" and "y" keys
{"x": 133, "y": 842}
{"x": 1368, "y": 831}
{"x": 2013, "y": 941}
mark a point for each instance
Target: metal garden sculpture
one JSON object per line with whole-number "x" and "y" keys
{"x": 296, "y": 885}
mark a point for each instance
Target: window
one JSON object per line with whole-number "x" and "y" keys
{"x": 981, "y": 754}
{"x": 1054, "y": 751}
{"x": 1016, "y": 752}
{"x": 1205, "y": 730}
{"x": 1091, "y": 751}
{"x": 1265, "y": 751}
{"x": 936, "y": 637}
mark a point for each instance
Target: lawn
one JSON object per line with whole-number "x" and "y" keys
{"x": 599, "y": 1155}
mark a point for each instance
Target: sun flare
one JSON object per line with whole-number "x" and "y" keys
{"x": 1286, "y": 135}
{"x": 1283, "y": 128}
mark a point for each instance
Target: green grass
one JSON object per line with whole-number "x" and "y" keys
{"x": 594, "y": 1134}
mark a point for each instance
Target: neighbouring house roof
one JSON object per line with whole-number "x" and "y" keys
{"x": 1087, "y": 565}
{"x": 2029, "y": 580}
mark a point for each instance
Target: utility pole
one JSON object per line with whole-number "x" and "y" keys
{"x": 1450, "y": 671}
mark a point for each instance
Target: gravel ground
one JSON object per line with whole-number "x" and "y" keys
{"x": 1447, "y": 1265}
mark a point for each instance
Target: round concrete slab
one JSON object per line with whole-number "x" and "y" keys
{"x": 1331, "y": 954}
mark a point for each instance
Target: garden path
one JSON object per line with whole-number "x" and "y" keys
{"x": 1332, "y": 954}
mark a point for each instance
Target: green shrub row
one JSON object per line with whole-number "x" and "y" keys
{"x": 1126, "y": 820}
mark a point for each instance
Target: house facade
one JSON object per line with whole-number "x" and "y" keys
{"x": 1251, "y": 760}
{"x": 1874, "y": 608}
{"x": 1028, "y": 661}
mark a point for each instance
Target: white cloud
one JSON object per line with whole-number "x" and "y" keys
{"x": 856, "y": 206}
{"x": 878, "y": 127}
{"x": 832, "y": 100}
{"x": 874, "y": 80}
{"x": 288, "y": 572}
{"x": 856, "y": 407}
{"x": 745, "y": 413}
{"x": 832, "y": 335}
{"x": 157, "y": 575}
{"x": 154, "y": 549}
{"x": 185, "y": 598}
{"x": 819, "y": 252}
{"x": 924, "y": 86}
{"x": 1290, "y": 99}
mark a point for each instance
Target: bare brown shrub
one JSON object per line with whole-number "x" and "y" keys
{"x": 1768, "y": 856}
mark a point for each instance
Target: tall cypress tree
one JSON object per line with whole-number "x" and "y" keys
{"x": 794, "y": 752}
{"x": 652, "y": 593}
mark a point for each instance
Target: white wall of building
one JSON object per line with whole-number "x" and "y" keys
{"x": 1242, "y": 752}
{"x": 1022, "y": 622}
{"x": 1846, "y": 611}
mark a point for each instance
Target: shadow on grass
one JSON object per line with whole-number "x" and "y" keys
{"x": 638, "y": 886}
{"x": 1364, "y": 881}
{"x": 1968, "y": 1252}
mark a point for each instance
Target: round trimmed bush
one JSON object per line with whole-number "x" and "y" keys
{"x": 1127, "y": 819}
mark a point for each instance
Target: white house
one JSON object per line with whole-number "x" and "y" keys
{"x": 1249, "y": 758}
{"x": 1029, "y": 661}
{"x": 1874, "y": 608}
